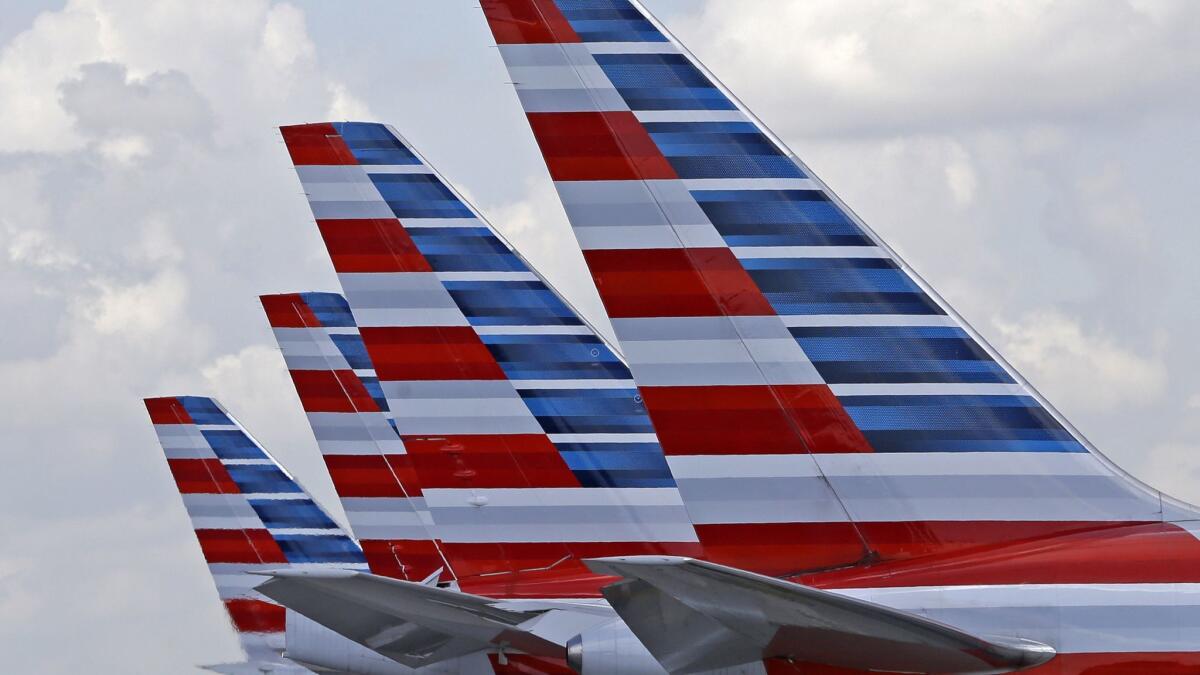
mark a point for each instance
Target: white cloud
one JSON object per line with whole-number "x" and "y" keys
{"x": 37, "y": 249}
{"x": 882, "y": 66}
{"x": 345, "y": 106}
{"x": 1173, "y": 468}
{"x": 125, "y": 149}
{"x": 137, "y": 310}
{"x": 1089, "y": 372}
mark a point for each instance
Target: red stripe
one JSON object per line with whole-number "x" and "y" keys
{"x": 598, "y": 146}
{"x": 784, "y": 549}
{"x": 526, "y": 664}
{"x": 778, "y": 549}
{"x": 167, "y": 410}
{"x": 373, "y": 475}
{"x": 1136, "y": 553}
{"x": 332, "y": 391}
{"x": 566, "y": 574}
{"x": 256, "y": 616}
{"x": 202, "y": 477}
{"x": 288, "y": 310}
{"x": 1129, "y": 663}
{"x": 408, "y": 559}
{"x": 316, "y": 144}
{"x": 515, "y": 22}
{"x": 239, "y": 546}
{"x": 751, "y": 420}
{"x": 430, "y": 353}
{"x": 371, "y": 245}
{"x": 1117, "y": 663}
{"x": 489, "y": 461}
{"x": 637, "y": 283}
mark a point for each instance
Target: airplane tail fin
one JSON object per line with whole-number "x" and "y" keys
{"x": 368, "y": 462}
{"x": 528, "y": 438}
{"x": 807, "y": 387}
{"x": 248, "y": 513}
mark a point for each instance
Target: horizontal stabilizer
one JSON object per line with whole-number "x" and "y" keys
{"x": 258, "y": 668}
{"x": 693, "y": 616}
{"x": 412, "y": 623}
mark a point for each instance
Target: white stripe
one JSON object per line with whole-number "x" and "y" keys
{"x": 691, "y": 116}
{"x": 533, "y": 330}
{"x": 339, "y": 330}
{"x": 550, "y": 497}
{"x": 884, "y": 465}
{"x": 750, "y": 184}
{"x": 306, "y": 531}
{"x": 1029, "y": 595}
{"x": 247, "y": 462}
{"x": 742, "y": 466}
{"x": 394, "y": 317}
{"x": 217, "y": 427}
{"x": 487, "y": 276}
{"x": 397, "y": 168}
{"x": 835, "y": 320}
{"x": 928, "y": 389}
{"x": 574, "y": 384}
{"x": 632, "y": 48}
{"x": 418, "y": 223}
{"x": 274, "y": 495}
{"x": 603, "y": 438}
{"x": 364, "y": 372}
{"x": 765, "y": 252}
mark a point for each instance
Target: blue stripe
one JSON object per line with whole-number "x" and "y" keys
{"x": 232, "y": 444}
{"x": 419, "y": 196}
{"x": 890, "y": 354}
{"x": 520, "y": 303}
{"x": 661, "y": 82}
{"x": 331, "y": 309}
{"x": 371, "y": 384}
{"x": 372, "y": 143}
{"x": 618, "y": 464}
{"x": 320, "y": 548}
{"x": 203, "y": 410}
{"x": 475, "y": 249}
{"x": 261, "y": 478}
{"x": 292, "y": 514}
{"x": 721, "y": 150}
{"x": 608, "y": 21}
{"x": 353, "y": 350}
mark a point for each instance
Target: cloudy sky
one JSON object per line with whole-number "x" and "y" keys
{"x": 1039, "y": 163}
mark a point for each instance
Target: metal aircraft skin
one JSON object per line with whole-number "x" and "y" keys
{"x": 250, "y": 517}
{"x": 804, "y": 463}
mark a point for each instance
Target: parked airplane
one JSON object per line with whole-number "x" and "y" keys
{"x": 251, "y": 517}
{"x": 855, "y": 481}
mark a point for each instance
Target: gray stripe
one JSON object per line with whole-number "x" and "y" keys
{"x": 536, "y": 99}
{"x": 352, "y": 210}
{"x": 760, "y": 500}
{"x": 563, "y": 523}
{"x": 183, "y": 441}
{"x": 405, "y": 290}
{"x": 333, "y": 174}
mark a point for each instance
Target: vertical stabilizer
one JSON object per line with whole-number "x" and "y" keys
{"x": 249, "y": 515}
{"x": 807, "y": 388}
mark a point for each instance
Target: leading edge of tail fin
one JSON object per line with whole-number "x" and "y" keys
{"x": 782, "y": 348}
{"x": 248, "y": 513}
